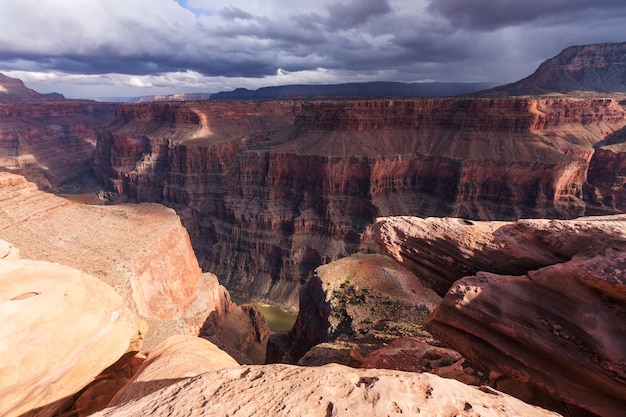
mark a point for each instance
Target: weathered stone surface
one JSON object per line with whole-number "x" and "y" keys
{"x": 546, "y": 305}
{"x": 140, "y": 250}
{"x": 97, "y": 395}
{"x": 333, "y": 390}
{"x": 242, "y": 332}
{"x": 412, "y": 355}
{"x": 60, "y": 329}
{"x": 367, "y": 299}
{"x": 561, "y": 328}
{"x": 270, "y": 190}
{"x": 174, "y": 359}
{"x": 442, "y": 250}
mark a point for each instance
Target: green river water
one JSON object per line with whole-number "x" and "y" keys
{"x": 277, "y": 319}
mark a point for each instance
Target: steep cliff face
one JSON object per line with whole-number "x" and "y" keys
{"x": 51, "y": 143}
{"x": 270, "y": 190}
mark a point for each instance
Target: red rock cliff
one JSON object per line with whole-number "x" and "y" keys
{"x": 270, "y": 190}
{"x": 53, "y": 142}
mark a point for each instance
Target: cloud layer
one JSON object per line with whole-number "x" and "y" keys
{"x": 135, "y": 47}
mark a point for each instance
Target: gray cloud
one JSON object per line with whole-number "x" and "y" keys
{"x": 338, "y": 40}
{"x": 357, "y": 12}
{"x": 492, "y": 14}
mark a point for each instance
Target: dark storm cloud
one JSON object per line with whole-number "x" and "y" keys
{"x": 492, "y": 14}
{"x": 338, "y": 40}
{"x": 342, "y": 16}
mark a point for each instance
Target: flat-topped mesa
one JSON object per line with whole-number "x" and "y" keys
{"x": 13, "y": 90}
{"x": 270, "y": 190}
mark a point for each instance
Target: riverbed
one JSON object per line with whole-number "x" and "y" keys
{"x": 277, "y": 319}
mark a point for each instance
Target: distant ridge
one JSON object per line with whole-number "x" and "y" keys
{"x": 596, "y": 68}
{"x": 353, "y": 90}
{"x": 13, "y": 90}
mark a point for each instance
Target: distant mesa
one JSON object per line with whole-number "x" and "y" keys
{"x": 589, "y": 68}
{"x": 13, "y": 90}
{"x": 174, "y": 97}
{"x": 353, "y": 90}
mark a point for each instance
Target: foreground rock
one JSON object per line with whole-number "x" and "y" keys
{"x": 333, "y": 390}
{"x": 362, "y": 300}
{"x": 140, "y": 250}
{"x": 561, "y": 328}
{"x": 546, "y": 304}
{"x": 442, "y": 250}
{"x": 60, "y": 329}
{"x": 175, "y": 359}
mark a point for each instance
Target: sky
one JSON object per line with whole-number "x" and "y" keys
{"x": 122, "y": 48}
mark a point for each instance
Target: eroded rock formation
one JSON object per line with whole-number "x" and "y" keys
{"x": 542, "y": 301}
{"x": 270, "y": 190}
{"x": 60, "y": 329}
{"x": 51, "y": 143}
{"x": 283, "y": 390}
{"x": 13, "y": 90}
{"x": 140, "y": 250}
{"x": 363, "y": 300}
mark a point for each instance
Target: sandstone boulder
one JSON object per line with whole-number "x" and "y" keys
{"x": 412, "y": 355}
{"x": 332, "y": 390}
{"x": 60, "y": 329}
{"x": 175, "y": 359}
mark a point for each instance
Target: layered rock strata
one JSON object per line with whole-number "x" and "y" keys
{"x": 542, "y": 301}
{"x": 442, "y": 250}
{"x": 270, "y": 190}
{"x": 60, "y": 329}
{"x": 51, "y": 143}
{"x": 334, "y": 390}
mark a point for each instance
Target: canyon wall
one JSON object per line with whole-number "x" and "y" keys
{"x": 270, "y": 190}
{"x": 51, "y": 143}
